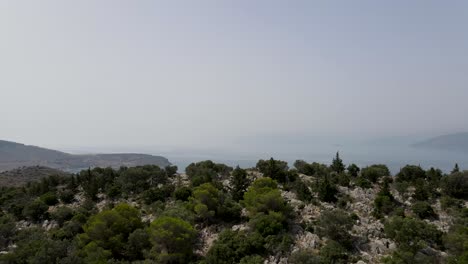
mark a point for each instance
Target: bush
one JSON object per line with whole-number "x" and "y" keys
{"x": 412, "y": 234}
{"x": 263, "y": 196}
{"x": 172, "y": 239}
{"x": 274, "y": 169}
{"x": 62, "y": 214}
{"x": 335, "y": 225}
{"x": 304, "y": 257}
{"x": 423, "y": 210}
{"x": 327, "y": 191}
{"x": 268, "y": 224}
{"x": 183, "y": 193}
{"x": 410, "y": 173}
{"x": 36, "y": 210}
{"x": 363, "y": 182}
{"x": 110, "y": 229}
{"x": 232, "y": 246}
{"x": 334, "y": 252}
{"x": 374, "y": 172}
{"x": 66, "y": 196}
{"x": 49, "y": 198}
{"x": 456, "y": 185}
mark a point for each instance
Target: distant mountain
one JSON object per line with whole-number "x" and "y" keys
{"x": 14, "y": 155}
{"x": 23, "y": 175}
{"x": 453, "y": 142}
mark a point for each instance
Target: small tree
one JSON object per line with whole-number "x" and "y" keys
{"x": 353, "y": 170}
{"x": 326, "y": 190}
{"x": 239, "y": 182}
{"x": 455, "y": 169}
{"x": 337, "y": 164}
{"x": 172, "y": 240}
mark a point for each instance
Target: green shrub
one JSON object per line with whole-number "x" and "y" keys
{"x": 183, "y": 193}
{"x": 36, "y": 210}
{"x": 374, "y": 172}
{"x": 49, "y": 198}
{"x": 66, "y": 196}
{"x": 423, "y": 210}
{"x": 268, "y": 224}
{"x": 62, "y": 214}
{"x": 412, "y": 234}
{"x": 232, "y": 246}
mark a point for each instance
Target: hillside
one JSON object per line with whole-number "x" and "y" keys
{"x": 213, "y": 214}
{"x": 453, "y": 142}
{"x": 15, "y": 155}
{"x": 23, "y": 175}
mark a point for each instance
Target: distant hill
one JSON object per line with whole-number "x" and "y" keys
{"x": 453, "y": 142}
{"x": 15, "y": 155}
{"x": 23, "y": 175}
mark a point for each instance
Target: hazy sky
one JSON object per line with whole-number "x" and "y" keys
{"x": 206, "y": 73}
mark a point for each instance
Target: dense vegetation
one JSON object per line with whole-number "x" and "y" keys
{"x": 149, "y": 214}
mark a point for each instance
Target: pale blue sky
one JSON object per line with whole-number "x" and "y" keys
{"x": 206, "y": 73}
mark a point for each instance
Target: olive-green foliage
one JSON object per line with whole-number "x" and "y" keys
{"x": 239, "y": 182}
{"x": 374, "y": 172}
{"x": 49, "y": 198}
{"x": 252, "y": 259}
{"x": 304, "y": 257}
{"x": 302, "y": 190}
{"x": 456, "y": 242}
{"x": 139, "y": 179}
{"x": 206, "y": 171}
{"x": 363, "y": 182}
{"x": 36, "y": 247}
{"x": 327, "y": 190}
{"x": 268, "y": 224}
{"x": 232, "y": 246}
{"x": 172, "y": 240}
{"x": 353, "y": 170}
{"x": 62, "y": 214}
{"x": 412, "y": 234}
{"x": 263, "y": 196}
{"x": 334, "y": 252}
{"x": 138, "y": 244}
{"x": 447, "y": 203}
{"x": 66, "y": 196}
{"x": 209, "y": 203}
{"x": 456, "y": 185}
{"x": 279, "y": 244}
{"x": 7, "y": 230}
{"x": 183, "y": 193}
{"x": 205, "y": 200}
{"x": 410, "y": 173}
{"x": 180, "y": 210}
{"x": 110, "y": 229}
{"x": 401, "y": 256}
{"x": 335, "y": 226}
{"x": 157, "y": 194}
{"x": 422, "y": 190}
{"x": 337, "y": 164}
{"x": 304, "y": 167}
{"x": 423, "y": 210}
{"x": 36, "y": 210}
{"x": 384, "y": 202}
{"x": 275, "y": 169}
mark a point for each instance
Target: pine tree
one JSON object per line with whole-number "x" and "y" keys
{"x": 239, "y": 183}
{"x": 455, "y": 169}
{"x": 337, "y": 164}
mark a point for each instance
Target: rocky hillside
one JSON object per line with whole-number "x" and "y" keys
{"x": 23, "y": 175}
{"x": 271, "y": 214}
{"x": 14, "y": 155}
